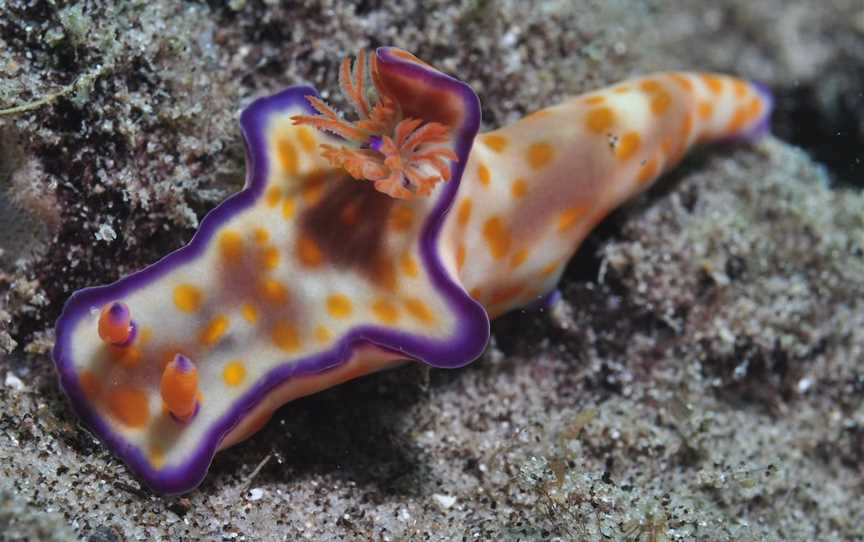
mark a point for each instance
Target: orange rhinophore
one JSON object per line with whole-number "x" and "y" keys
{"x": 179, "y": 387}
{"x": 115, "y": 324}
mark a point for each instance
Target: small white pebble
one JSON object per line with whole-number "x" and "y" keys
{"x": 255, "y": 493}
{"x": 404, "y": 515}
{"x": 14, "y": 382}
{"x": 444, "y": 501}
{"x": 509, "y": 39}
{"x": 106, "y": 233}
{"x": 741, "y": 370}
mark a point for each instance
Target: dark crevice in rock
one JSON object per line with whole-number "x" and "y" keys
{"x": 830, "y": 130}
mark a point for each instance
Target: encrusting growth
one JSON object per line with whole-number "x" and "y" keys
{"x": 395, "y": 153}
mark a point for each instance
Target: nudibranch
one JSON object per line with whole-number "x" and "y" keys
{"x": 357, "y": 245}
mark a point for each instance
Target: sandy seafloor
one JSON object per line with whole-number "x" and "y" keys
{"x": 702, "y": 379}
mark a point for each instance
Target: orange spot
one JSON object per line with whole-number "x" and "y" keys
{"x": 129, "y": 405}
{"x": 475, "y": 293}
{"x": 215, "y": 330}
{"x": 385, "y": 311}
{"x": 713, "y": 82}
{"x": 495, "y": 142}
{"x": 594, "y": 100}
{"x": 519, "y": 188}
{"x": 648, "y": 171}
{"x": 622, "y": 89}
{"x": 288, "y": 208}
{"x": 484, "y": 175}
{"x": 497, "y": 237}
{"x": 460, "y": 256}
{"x": 538, "y": 114}
{"x": 187, "y": 298}
{"x": 273, "y": 195}
{"x": 307, "y": 140}
{"x": 127, "y": 356}
{"x": 686, "y": 129}
{"x": 260, "y": 235}
{"x": 231, "y": 246}
{"x": 274, "y": 291}
{"x": 234, "y": 373}
{"x": 313, "y": 190}
{"x": 628, "y": 145}
{"x": 90, "y": 385}
{"x": 270, "y": 257}
{"x": 650, "y": 86}
{"x": 308, "y": 252}
{"x": 145, "y": 335}
{"x": 660, "y": 103}
{"x": 683, "y": 81}
{"x": 738, "y": 121}
{"x": 409, "y": 265}
{"x": 339, "y": 306}
{"x": 600, "y": 120}
{"x": 285, "y": 336}
{"x": 506, "y": 294}
{"x": 323, "y": 335}
{"x": 741, "y": 88}
{"x": 706, "y": 110}
{"x": 249, "y": 313}
{"x": 287, "y": 154}
{"x": 350, "y": 213}
{"x": 385, "y": 273}
{"x": 419, "y": 310}
{"x": 401, "y": 218}
{"x": 550, "y": 269}
{"x": 668, "y": 148}
{"x": 464, "y": 214}
{"x": 571, "y": 216}
{"x": 540, "y": 155}
{"x": 754, "y": 109}
{"x": 519, "y": 258}
{"x": 156, "y": 455}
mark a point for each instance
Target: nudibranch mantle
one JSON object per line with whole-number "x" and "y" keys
{"x": 202, "y": 300}
{"x": 308, "y": 277}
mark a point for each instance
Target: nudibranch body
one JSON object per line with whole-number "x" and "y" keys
{"x": 358, "y": 245}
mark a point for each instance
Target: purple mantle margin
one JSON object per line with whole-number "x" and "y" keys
{"x": 472, "y": 331}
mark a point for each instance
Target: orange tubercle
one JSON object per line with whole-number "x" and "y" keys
{"x": 129, "y": 406}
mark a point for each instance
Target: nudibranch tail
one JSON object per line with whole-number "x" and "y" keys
{"x": 547, "y": 180}
{"x": 401, "y": 155}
